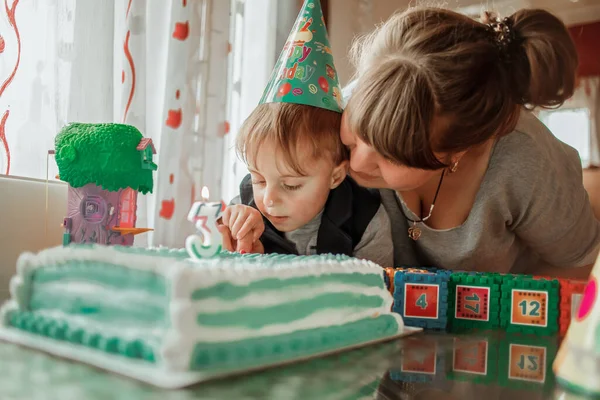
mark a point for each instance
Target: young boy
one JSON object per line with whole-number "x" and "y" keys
{"x": 298, "y": 198}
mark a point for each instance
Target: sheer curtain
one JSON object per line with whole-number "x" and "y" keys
{"x": 184, "y": 72}
{"x": 587, "y": 96}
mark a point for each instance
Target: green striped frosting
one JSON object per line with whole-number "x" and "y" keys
{"x": 263, "y": 350}
{"x": 256, "y": 318}
{"x": 114, "y": 276}
{"x": 231, "y": 291}
{"x": 97, "y": 306}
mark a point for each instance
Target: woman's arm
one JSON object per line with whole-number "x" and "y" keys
{"x": 544, "y": 269}
{"x": 552, "y": 213}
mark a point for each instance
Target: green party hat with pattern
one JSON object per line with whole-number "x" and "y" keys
{"x": 304, "y": 72}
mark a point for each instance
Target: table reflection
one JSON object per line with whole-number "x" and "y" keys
{"x": 492, "y": 365}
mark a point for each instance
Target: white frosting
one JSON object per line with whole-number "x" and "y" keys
{"x": 212, "y": 270}
{"x": 187, "y": 277}
{"x": 181, "y": 332}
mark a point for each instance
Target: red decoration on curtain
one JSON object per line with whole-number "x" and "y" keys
{"x": 182, "y": 30}
{"x": 10, "y": 13}
{"x": 4, "y": 141}
{"x": 132, "y": 66}
{"x": 167, "y": 208}
{"x": 174, "y": 118}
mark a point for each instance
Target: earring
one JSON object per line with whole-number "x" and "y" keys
{"x": 454, "y": 166}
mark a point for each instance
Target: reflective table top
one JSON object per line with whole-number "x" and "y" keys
{"x": 488, "y": 366}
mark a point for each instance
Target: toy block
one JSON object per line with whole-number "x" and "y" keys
{"x": 569, "y": 292}
{"x": 388, "y": 277}
{"x": 474, "y": 301}
{"x": 529, "y": 305}
{"x": 421, "y": 360}
{"x": 421, "y": 297}
{"x": 527, "y": 361}
{"x": 474, "y": 359}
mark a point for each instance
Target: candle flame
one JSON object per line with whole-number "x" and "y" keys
{"x": 205, "y": 193}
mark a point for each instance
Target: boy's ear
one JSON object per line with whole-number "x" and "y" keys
{"x": 339, "y": 174}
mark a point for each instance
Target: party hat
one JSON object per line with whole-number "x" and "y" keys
{"x": 577, "y": 364}
{"x": 304, "y": 72}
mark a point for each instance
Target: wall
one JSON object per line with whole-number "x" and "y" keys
{"x": 23, "y": 219}
{"x": 587, "y": 40}
{"x": 349, "y": 18}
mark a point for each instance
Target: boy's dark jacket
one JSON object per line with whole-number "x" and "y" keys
{"x": 348, "y": 211}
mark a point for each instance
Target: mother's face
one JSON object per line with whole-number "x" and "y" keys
{"x": 370, "y": 169}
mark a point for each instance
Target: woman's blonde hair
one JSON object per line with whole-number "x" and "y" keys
{"x": 296, "y": 130}
{"x": 431, "y": 62}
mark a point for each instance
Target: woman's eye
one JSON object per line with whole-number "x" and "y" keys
{"x": 258, "y": 182}
{"x": 294, "y": 187}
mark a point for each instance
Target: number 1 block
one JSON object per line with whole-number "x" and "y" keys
{"x": 529, "y": 305}
{"x": 421, "y": 297}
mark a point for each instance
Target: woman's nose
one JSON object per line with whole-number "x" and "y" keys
{"x": 361, "y": 159}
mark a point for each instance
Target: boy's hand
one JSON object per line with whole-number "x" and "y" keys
{"x": 231, "y": 244}
{"x": 244, "y": 228}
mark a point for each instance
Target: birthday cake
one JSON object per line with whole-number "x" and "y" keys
{"x": 161, "y": 310}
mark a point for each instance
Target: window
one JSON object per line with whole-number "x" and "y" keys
{"x": 93, "y": 209}
{"x": 250, "y": 70}
{"x": 127, "y": 208}
{"x": 571, "y": 126}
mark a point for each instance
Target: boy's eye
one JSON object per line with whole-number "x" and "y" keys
{"x": 294, "y": 187}
{"x": 257, "y": 182}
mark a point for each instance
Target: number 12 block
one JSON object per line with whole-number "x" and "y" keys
{"x": 529, "y": 305}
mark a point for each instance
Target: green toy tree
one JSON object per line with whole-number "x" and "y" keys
{"x": 102, "y": 154}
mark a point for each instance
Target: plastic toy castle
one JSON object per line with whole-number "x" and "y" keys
{"x": 105, "y": 165}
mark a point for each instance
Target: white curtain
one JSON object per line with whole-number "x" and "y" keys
{"x": 161, "y": 65}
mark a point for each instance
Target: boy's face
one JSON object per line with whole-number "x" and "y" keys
{"x": 284, "y": 197}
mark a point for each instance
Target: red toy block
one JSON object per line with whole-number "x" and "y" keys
{"x": 568, "y": 288}
{"x": 421, "y": 300}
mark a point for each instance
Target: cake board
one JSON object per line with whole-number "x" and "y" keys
{"x": 153, "y": 375}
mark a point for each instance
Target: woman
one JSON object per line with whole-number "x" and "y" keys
{"x": 440, "y": 115}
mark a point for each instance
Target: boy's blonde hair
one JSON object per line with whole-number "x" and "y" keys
{"x": 431, "y": 62}
{"x": 294, "y": 129}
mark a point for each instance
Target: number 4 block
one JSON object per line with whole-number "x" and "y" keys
{"x": 421, "y": 297}
{"x": 529, "y": 305}
{"x": 474, "y": 301}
